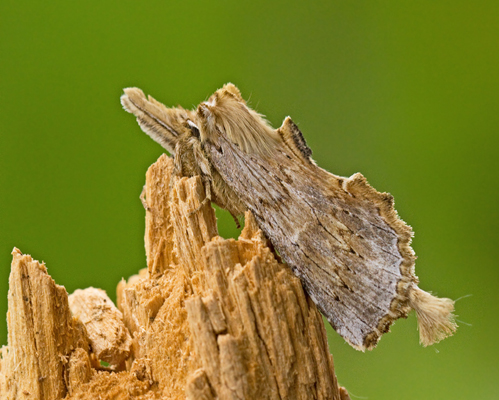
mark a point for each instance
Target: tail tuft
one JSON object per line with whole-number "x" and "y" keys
{"x": 435, "y": 318}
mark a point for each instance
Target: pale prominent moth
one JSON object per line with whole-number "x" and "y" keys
{"x": 341, "y": 237}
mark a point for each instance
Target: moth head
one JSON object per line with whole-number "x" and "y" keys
{"x": 227, "y": 114}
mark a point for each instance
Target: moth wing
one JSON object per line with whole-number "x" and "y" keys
{"x": 339, "y": 235}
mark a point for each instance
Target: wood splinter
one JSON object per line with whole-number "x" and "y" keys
{"x": 208, "y": 319}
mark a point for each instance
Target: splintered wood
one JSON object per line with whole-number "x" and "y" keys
{"x": 208, "y": 319}
{"x": 41, "y": 333}
{"x": 109, "y": 338}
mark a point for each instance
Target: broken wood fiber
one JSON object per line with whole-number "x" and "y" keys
{"x": 209, "y": 318}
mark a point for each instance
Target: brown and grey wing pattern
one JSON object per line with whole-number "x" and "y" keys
{"x": 354, "y": 263}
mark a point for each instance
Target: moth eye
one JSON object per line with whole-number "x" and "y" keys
{"x": 194, "y": 129}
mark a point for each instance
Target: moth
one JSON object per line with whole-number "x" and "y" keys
{"x": 340, "y": 236}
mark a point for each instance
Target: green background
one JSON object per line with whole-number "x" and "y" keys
{"x": 405, "y": 92}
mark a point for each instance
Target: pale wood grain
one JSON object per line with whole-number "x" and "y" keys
{"x": 41, "y": 333}
{"x": 214, "y": 319}
{"x": 107, "y": 334}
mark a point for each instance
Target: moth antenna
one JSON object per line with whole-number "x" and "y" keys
{"x": 435, "y": 318}
{"x": 164, "y": 125}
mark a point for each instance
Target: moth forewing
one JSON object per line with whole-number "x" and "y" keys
{"x": 343, "y": 251}
{"x": 339, "y": 235}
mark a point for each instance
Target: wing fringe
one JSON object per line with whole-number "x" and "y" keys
{"x": 435, "y": 318}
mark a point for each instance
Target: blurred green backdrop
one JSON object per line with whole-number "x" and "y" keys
{"x": 405, "y": 92}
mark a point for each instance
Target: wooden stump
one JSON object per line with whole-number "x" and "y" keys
{"x": 208, "y": 319}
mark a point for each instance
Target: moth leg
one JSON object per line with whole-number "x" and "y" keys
{"x": 236, "y": 220}
{"x": 144, "y": 200}
{"x": 203, "y": 169}
{"x": 189, "y": 160}
{"x": 178, "y": 170}
{"x": 207, "y": 187}
{"x": 177, "y": 160}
